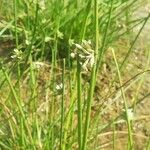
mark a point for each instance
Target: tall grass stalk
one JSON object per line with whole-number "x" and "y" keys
{"x": 19, "y": 105}
{"x": 124, "y": 61}
{"x": 84, "y": 26}
{"x": 16, "y": 42}
{"x": 79, "y": 92}
{"x": 148, "y": 144}
{"x": 5, "y": 146}
{"x": 62, "y": 106}
{"x": 102, "y": 50}
{"x": 139, "y": 86}
{"x": 70, "y": 114}
{"x": 130, "y": 140}
{"x": 29, "y": 48}
{"x": 114, "y": 136}
{"x": 18, "y": 71}
{"x": 79, "y": 78}
{"x": 72, "y": 78}
{"x": 105, "y": 38}
{"x": 121, "y": 66}
{"x": 52, "y": 116}
{"x": 9, "y": 24}
{"x": 133, "y": 43}
{"x": 54, "y": 65}
{"x": 92, "y": 81}
{"x": 33, "y": 98}
{"x": 127, "y": 14}
{"x": 15, "y": 22}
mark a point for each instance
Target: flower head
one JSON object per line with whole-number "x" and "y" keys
{"x": 17, "y": 54}
{"x": 85, "y": 54}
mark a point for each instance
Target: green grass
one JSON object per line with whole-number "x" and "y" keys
{"x": 67, "y": 83}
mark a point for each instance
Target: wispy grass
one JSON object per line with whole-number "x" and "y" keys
{"x": 60, "y": 80}
{"x": 93, "y": 78}
{"x": 130, "y": 141}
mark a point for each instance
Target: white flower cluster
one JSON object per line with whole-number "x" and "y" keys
{"x": 17, "y": 54}
{"x": 85, "y": 54}
{"x": 41, "y": 4}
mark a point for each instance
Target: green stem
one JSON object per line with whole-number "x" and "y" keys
{"x": 79, "y": 92}
{"x": 15, "y": 19}
{"x": 62, "y": 106}
{"x": 130, "y": 140}
{"x": 93, "y": 78}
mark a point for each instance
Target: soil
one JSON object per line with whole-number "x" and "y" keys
{"x": 6, "y": 47}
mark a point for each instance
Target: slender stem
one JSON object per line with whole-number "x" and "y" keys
{"x": 133, "y": 43}
{"x": 62, "y": 105}
{"x": 130, "y": 141}
{"x": 114, "y": 135}
{"x": 29, "y": 49}
{"x": 15, "y": 18}
{"x": 93, "y": 78}
{"x": 83, "y": 29}
{"x": 19, "y": 105}
{"x": 104, "y": 41}
{"x": 79, "y": 92}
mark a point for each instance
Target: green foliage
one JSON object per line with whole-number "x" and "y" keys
{"x": 49, "y": 83}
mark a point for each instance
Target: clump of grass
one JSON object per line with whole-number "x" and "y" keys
{"x": 58, "y": 96}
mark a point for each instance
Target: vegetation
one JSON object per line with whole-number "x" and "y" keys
{"x": 71, "y": 76}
